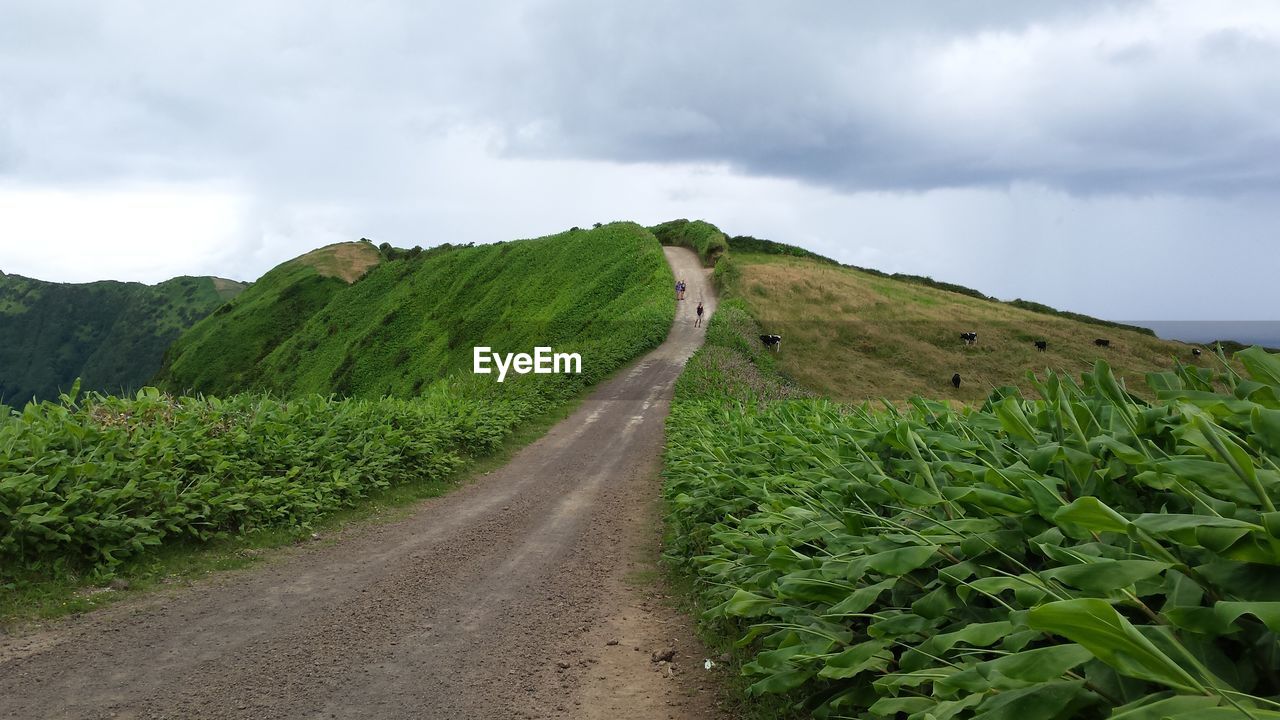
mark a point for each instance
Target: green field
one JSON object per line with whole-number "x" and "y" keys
{"x": 1085, "y": 550}
{"x": 110, "y": 334}
{"x": 853, "y": 335}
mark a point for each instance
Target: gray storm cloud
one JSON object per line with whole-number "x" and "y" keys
{"x": 1132, "y": 98}
{"x": 1092, "y": 155}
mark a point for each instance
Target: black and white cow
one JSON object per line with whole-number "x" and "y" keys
{"x": 773, "y": 341}
{"x": 1195, "y": 352}
{"x": 969, "y": 338}
{"x": 1042, "y": 345}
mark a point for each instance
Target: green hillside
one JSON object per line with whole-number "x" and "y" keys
{"x": 110, "y": 334}
{"x": 698, "y": 235}
{"x": 416, "y": 318}
{"x": 851, "y": 334}
{"x": 220, "y": 354}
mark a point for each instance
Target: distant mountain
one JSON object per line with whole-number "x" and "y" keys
{"x": 112, "y": 335}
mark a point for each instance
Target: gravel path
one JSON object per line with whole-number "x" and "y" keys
{"x": 527, "y": 593}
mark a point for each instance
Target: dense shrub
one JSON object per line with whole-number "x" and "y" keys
{"x": 1081, "y": 555}
{"x": 85, "y": 483}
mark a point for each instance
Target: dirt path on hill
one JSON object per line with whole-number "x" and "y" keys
{"x": 526, "y": 594}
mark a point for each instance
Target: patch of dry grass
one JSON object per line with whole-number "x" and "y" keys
{"x": 228, "y": 289}
{"x": 854, "y": 336}
{"x": 348, "y": 261}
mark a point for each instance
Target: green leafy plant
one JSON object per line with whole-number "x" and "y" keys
{"x": 1084, "y": 554}
{"x": 90, "y": 481}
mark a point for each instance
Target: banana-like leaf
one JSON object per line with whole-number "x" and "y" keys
{"x": 1112, "y": 639}
{"x": 870, "y": 655}
{"x": 1029, "y": 666}
{"x": 1163, "y": 706}
{"x": 1182, "y": 527}
{"x": 1267, "y": 612}
{"x": 748, "y": 604}
{"x": 1045, "y": 701}
{"x": 901, "y": 561}
{"x": 1092, "y": 514}
{"x": 891, "y": 706}
{"x": 861, "y": 599}
{"x": 1105, "y": 575}
{"x": 1261, "y": 365}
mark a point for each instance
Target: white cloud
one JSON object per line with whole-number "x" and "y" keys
{"x": 144, "y": 233}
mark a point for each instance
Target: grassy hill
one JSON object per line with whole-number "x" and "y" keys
{"x": 852, "y": 335}
{"x": 415, "y": 318}
{"x": 111, "y": 334}
{"x": 220, "y": 355}
{"x": 698, "y": 235}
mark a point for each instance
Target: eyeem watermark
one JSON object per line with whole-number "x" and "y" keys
{"x": 542, "y": 362}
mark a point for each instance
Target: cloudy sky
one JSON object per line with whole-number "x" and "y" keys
{"x": 1115, "y": 158}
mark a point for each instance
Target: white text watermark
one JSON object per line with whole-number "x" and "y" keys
{"x": 542, "y": 362}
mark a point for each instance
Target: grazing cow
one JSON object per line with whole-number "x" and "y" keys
{"x": 955, "y": 380}
{"x": 773, "y": 341}
{"x": 1102, "y": 343}
{"x": 969, "y": 338}
{"x": 1042, "y": 345}
{"x": 1195, "y": 352}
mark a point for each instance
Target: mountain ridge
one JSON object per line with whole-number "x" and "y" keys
{"x": 111, "y": 334}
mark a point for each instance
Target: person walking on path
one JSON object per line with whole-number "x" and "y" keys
{"x": 698, "y": 322}
{"x": 679, "y": 289}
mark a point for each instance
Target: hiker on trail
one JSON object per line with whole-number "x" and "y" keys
{"x": 679, "y": 290}
{"x": 698, "y": 322}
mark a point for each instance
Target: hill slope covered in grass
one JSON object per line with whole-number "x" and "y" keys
{"x": 219, "y": 355}
{"x": 604, "y": 293}
{"x": 698, "y": 235}
{"x": 110, "y": 334}
{"x": 854, "y": 335}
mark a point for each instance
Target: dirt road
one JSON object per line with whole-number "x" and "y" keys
{"x": 523, "y": 594}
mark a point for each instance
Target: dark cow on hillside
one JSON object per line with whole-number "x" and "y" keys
{"x": 969, "y": 338}
{"x": 955, "y": 381}
{"x": 773, "y": 341}
{"x": 1100, "y": 342}
{"x": 1195, "y": 352}
{"x": 1042, "y": 345}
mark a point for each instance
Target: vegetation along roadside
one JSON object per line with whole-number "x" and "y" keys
{"x": 1084, "y": 553}
{"x": 93, "y": 483}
